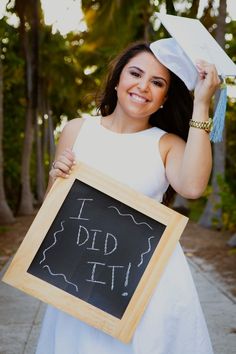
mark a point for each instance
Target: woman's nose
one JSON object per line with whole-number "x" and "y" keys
{"x": 143, "y": 85}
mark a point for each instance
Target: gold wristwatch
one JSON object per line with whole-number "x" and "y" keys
{"x": 207, "y": 126}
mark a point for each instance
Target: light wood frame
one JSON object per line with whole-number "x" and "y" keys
{"x": 123, "y": 328}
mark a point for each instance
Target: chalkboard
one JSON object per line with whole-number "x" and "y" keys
{"x": 96, "y": 250}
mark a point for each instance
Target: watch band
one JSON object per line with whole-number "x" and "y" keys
{"x": 207, "y": 126}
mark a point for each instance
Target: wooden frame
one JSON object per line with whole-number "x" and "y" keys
{"x": 121, "y": 328}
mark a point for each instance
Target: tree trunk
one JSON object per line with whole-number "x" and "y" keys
{"x": 40, "y": 173}
{"x": 181, "y": 205}
{"x": 40, "y": 187}
{"x": 170, "y": 8}
{"x": 48, "y": 129}
{"x": 194, "y": 8}
{"x": 52, "y": 148}
{"x": 6, "y": 215}
{"x": 212, "y": 214}
{"x": 26, "y": 201}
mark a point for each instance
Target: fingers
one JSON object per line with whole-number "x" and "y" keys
{"x": 55, "y": 173}
{"x": 63, "y": 165}
{"x": 208, "y": 73}
{"x": 207, "y": 84}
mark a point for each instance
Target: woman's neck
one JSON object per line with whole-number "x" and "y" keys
{"x": 120, "y": 123}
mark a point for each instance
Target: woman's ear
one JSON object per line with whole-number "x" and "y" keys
{"x": 165, "y": 99}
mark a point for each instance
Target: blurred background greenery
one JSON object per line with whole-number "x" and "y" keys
{"x": 53, "y": 58}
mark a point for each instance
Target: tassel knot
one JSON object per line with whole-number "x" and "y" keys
{"x": 216, "y": 134}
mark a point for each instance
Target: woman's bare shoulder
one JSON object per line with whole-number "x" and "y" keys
{"x": 169, "y": 141}
{"x": 73, "y": 126}
{"x": 75, "y": 123}
{"x": 71, "y": 131}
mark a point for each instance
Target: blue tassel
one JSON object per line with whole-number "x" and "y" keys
{"x": 216, "y": 134}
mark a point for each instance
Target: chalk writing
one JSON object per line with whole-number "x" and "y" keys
{"x": 62, "y": 275}
{"x": 127, "y": 280}
{"x": 102, "y": 252}
{"x": 54, "y": 242}
{"x": 81, "y": 209}
{"x": 110, "y": 236}
{"x": 137, "y": 223}
{"x": 149, "y": 249}
{"x": 110, "y": 240}
{"x": 127, "y": 275}
{"x": 113, "y": 274}
{"x": 92, "y": 248}
{"x": 93, "y": 272}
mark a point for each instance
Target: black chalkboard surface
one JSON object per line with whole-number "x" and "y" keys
{"x": 97, "y": 249}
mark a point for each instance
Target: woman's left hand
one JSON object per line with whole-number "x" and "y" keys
{"x": 207, "y": 84}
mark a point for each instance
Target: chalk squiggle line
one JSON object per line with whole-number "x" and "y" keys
{"x": 62, "y": 275}
{"x": 149, "y": 249}
{"x": 54, "y": 242}
{"x": 137, "y": 223}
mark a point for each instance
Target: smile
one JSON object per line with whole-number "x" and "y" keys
{"x": 138, "y": 98}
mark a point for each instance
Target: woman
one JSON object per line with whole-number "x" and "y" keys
{"x": 139, "y": 139}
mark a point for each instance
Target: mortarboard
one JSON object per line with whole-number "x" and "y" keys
{"x": 191, "y": 41}
{"x": 170, "y": 54}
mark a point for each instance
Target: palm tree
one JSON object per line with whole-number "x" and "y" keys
{"x": 6, "y": 215}
{"x": 212, "y": 212}
{"x": 40, "y": 177}
{"x": 26, "y": 10}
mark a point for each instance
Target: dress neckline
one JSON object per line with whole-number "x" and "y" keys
{"x": 123, "y": 134}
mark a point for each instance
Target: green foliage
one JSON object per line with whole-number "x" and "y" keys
{"x": 196, "y": 207}
{"x": 228, "y": 203}
{"x": 71, "y": 69}
{"x": 231, "y": 144}
{"x": 14, "y": 108}
{"x": 58, "y": 73}
{"x": 4, "y": 229}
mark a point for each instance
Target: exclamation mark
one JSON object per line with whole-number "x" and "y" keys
{"x": 127, "y": 279}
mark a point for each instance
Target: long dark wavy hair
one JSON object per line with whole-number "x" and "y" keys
{"x": 176, "y": 112}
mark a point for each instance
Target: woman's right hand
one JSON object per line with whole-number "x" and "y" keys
{"x": 63, "y": 164}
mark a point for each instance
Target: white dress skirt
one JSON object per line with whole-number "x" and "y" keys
{"x": 173, "y": 322}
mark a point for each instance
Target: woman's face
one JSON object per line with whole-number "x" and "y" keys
{"x": 143, "y": 86}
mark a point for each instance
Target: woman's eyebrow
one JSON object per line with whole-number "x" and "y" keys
{"x": 154, "y": 77}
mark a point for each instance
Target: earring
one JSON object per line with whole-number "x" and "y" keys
{"x": 116, "y": 88}
{"x": 161, "y": 106}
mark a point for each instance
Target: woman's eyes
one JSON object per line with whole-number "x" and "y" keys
{"x": 134, "y": 73}
{"x": 155, "y": 82}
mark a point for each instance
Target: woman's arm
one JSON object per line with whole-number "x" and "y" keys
{"x": 188, "y": 165}
{"x": 64, "y": 156}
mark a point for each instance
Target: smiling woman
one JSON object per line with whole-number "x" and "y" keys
{"x": 141, "y": 91}
{"x": 142, "y": 139}
{"x": 142, "y": 70}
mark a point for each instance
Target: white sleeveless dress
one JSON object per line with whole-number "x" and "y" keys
{"x": 173, "y": 322}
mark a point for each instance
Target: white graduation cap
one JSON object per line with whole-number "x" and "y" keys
{"x": 190, "y": 42}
